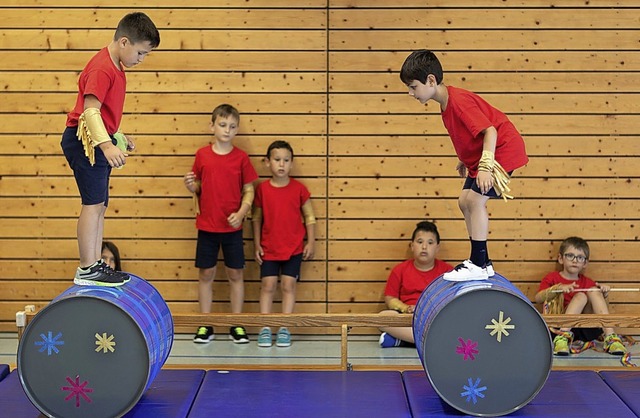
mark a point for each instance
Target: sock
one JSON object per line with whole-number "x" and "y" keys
{"x": 479, "y": 255}
{"x": 87, "y": 268}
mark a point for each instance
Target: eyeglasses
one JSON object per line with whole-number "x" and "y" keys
{"x": 573, "y": 257}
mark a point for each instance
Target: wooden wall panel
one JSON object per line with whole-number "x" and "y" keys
{"x": 323, "y": 75}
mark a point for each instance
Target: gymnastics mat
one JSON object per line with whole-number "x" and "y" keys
{"x": 626, "y": 384}
{"x": 565, "y": 394}
{"x": 304, "y": 394}
{"x": 170, "y": 396}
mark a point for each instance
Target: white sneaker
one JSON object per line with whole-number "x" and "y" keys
{"x": 489, "y": 268}
{"x": 466, "y": 271}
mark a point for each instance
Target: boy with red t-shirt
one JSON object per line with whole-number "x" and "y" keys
{"x": 579, "y": 291}
{"x": 488, "y": 146}
{"x": 408, "y": 280}
{"x": 222, "y": 184}
{"x": 280, "y": 207}
{"x": 92, "y": 143}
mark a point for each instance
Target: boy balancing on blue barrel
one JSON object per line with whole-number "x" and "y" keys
{"x": 488, "y": 146}
{"x": 93, "y": 144}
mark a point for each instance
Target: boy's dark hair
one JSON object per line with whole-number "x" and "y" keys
{"x": 426, "y": 226}
{"x": 419, "y": 65}
{"x": 116, "y": 253}
{"x": 224, "y": 111}
{"x": 577, "y": 243}
{"x": 279, "y": 145}
{"x": 138, "y": 27}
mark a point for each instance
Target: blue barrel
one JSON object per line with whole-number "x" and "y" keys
{"x": 484, "y": 347}
{"x": 93, "y": 351}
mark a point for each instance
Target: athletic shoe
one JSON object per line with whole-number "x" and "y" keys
{"x": 613, "y": 345}
{"x": 387, "y": 341}
{"x": 203, "y": 335}
{"x": 264, "y": 338}
{"x": 561, "y": 344}
{"x": 100, "y": 274}
{"x": 238, "y": 335}
{"x": 284, "y": 337}
{"x": 489, "y": 269}
{"x": 466, "y": 271}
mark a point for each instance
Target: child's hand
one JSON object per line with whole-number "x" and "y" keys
{"x": 259, "y": 254}
{"x": 410, "y": 309}
{"x": 235, "y": 220}
{"x": 461, "y": 169}
{"x": 190, "y": 182}
{"x": 568, "y": 288}
{"x": 114, "y": 155}
{"x": 604, "y": 288}
{"x": 309, "y": 250}
{"x": 130, "y": 144}
{"x": 484, "y": 180}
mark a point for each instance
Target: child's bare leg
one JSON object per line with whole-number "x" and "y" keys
{"x": 464, "y": 208}
{"x": 89, "y": 230}
{"x": 268, "y": 288}
{"x": 476, "y": 207}
{"x": 402, "y": 333}
{"x": 236, "y": 289}
{"x": 575, "y": 307}
{"x": 288, "y": 286}
{"x": 599, "y": 306}
{"x": 205, "y": 288}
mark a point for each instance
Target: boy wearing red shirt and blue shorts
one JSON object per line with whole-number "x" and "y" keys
{"x": 92, "y": 143}
{"x": 281, "y": 206}
{"x": 488, "y": 146}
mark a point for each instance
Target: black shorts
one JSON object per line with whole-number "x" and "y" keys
{"x": 209, "y": 244}
{"x": 470, "y": 183}
{"x": 92, "y": 180}
{"x": 290, "y": 267}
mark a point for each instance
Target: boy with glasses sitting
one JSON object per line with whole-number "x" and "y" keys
{"x": 579, "y": 292}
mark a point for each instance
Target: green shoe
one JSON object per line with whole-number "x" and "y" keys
{"x": 561, "y": 344}
{"x": 613, "y": 345}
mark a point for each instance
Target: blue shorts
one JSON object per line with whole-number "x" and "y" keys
{"x": 209, "y": 244}
{"x": 92, "y": 180}
{"x": 290, "y": 267}
{"x": 470, "y": 183}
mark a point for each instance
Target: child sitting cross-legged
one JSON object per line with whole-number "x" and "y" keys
{"x": 579, "y": 292}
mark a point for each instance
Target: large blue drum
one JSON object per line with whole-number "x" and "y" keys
{"x": 93, "y": 351}
{"x": 484, "y": 347}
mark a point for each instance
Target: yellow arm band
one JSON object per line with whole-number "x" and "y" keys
{"x": 91, "y": 132}
{"x": 247, "y": 195}
{"x": 256, "y": 216}
{"x": 307, "y": 213}
{"x": 501, "y": 178}
{"x": 398, "y": 305}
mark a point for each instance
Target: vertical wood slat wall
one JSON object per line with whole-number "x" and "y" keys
{"x": 323, "y": 74}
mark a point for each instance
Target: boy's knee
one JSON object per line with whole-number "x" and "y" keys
{"x": 235, "y": 275}
{"x": 206, "y": 275}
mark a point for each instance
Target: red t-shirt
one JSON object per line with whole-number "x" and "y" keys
{"x": 108, "y": 83}
{"x": 555, "y": 277}
{"x": 466, "y": 116}
{"x": 221, "y": 180}
{"x": 407, "y": 283}
{"x": 283, "y": 229}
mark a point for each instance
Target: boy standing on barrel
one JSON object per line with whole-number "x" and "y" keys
{"x": 488, "y": 147}
{"x": 92, "y": 143}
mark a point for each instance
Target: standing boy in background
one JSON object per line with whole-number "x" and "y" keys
{"x": 89, "y": 142}
{"x": 573, "y": 257}
{"x": 488, "y": 147}
{"x": 222, "y": 182}
{"x": 281, "y": 205}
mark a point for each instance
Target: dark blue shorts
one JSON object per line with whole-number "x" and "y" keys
{"x": 290, "y": 267}
{"x": 209, "y": 244}
{"x": 470, "y": 183}
{"x": 92, "y": 180}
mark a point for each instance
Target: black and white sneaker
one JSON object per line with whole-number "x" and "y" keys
{"x": 238, "y": 335}
{"x": 100, "y": 274}
{"x": 203, "y": 335}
